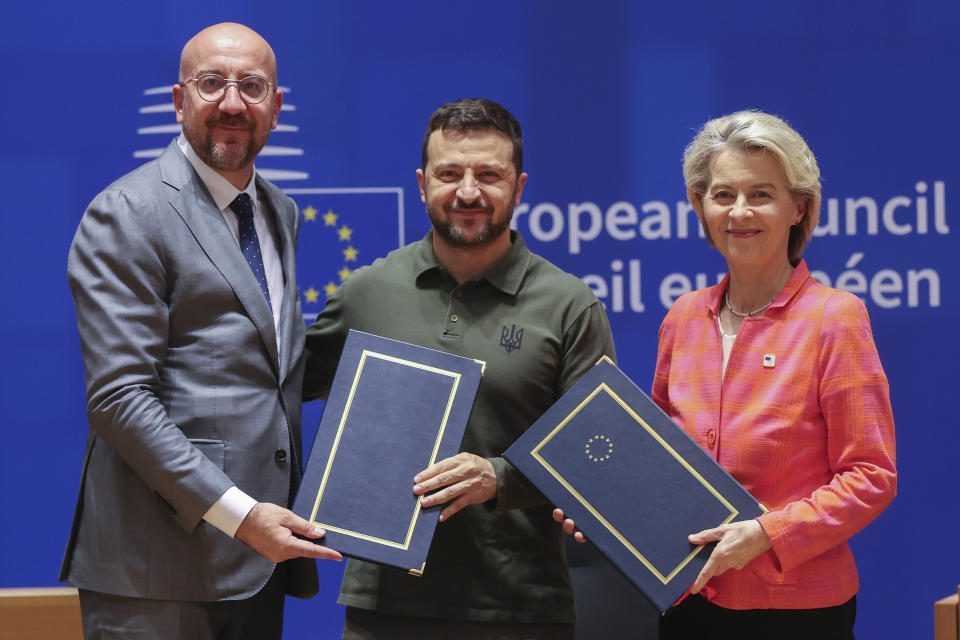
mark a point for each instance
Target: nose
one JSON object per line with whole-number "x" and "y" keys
{"x": 469, "y": 188}
{"x": 231, "y": 102}
{"x": 741, "y": 208}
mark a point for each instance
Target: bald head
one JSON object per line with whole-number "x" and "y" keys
{"x": 228, "y": 40}
{"x": 226, "y": 130}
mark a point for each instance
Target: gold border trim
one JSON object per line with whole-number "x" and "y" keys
{"x": 405, "y": 543}
{"x": 665, "y": 579}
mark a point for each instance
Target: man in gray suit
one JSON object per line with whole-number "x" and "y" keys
{"x": 182, "y": 273}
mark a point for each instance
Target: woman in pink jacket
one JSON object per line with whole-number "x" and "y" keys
{"x": 777, "y": 377}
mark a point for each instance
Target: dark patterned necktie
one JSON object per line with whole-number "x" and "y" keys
{"x": 249, "y": 243}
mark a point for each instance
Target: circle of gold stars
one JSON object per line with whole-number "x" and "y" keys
{"x": 599, "y": 448}
{"x": 344, "y": 234}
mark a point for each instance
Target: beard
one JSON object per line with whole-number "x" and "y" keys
{"x": 456, "y": 236}
{"x": 225, "y": 156}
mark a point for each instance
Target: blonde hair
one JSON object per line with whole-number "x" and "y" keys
{"x": 753, "y": 130}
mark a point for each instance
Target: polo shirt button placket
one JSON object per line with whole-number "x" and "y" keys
{"x": 452, "y": 317}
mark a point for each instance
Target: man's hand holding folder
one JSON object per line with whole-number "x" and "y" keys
{"x": 465, "y": 478}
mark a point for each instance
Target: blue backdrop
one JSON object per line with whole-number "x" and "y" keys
{"x": 608, "y": 94}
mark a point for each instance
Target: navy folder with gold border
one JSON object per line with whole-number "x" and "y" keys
{"x": 393, "y": 410}
{"x": 632, "y": 480}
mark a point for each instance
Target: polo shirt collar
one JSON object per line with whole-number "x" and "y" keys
{"x": 507, "y": 274}
{"x": 799, "y": 276}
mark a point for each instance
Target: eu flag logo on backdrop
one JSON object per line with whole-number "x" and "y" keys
{"x": 341, "y": 228}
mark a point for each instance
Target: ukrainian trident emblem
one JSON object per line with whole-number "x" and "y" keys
{"x": 511, "y": 338}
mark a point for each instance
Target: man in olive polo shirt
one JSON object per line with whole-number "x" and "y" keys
{"x": 471, "y": 287}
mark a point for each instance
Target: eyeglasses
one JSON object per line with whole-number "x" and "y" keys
{"x": 212, "y": 87}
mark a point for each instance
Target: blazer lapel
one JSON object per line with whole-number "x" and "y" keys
{"x": 196, "y": 208}
{"x": 285, "y": 223}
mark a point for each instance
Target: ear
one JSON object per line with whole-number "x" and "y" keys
{"x": 420, "y": 183}
{"x": 696, "y": 201}
{"x": 801, "y": 212}
{"x": 521, "y": 181}
{"x": 277, "y": 103}
{"x": 178, "y": 102}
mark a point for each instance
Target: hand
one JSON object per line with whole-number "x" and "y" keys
{"x": 737, "y": 544}
{"x": 569, "y": 526}
{"x": 268, "y": 529}
{"x": 468, "y": 479}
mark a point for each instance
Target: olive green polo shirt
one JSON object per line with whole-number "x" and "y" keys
{"x": 538, "y": 329}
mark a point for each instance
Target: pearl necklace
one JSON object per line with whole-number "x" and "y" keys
{"x": 726, "y": 299}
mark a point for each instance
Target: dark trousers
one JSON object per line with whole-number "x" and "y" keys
{"x": 110, "y": 617}
{"x": 363, "y": 624}
{"x": 696, "y": 618}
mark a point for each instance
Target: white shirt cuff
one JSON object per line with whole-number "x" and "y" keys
{"x": 229, "y": 510}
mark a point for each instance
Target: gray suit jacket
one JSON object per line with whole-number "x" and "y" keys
{"x": 187, "y": 392}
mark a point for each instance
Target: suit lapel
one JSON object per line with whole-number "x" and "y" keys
{"x": 196, "y": 208}
{"x": 284, "y": 223}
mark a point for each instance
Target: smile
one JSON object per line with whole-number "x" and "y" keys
{"x": 470, "y": 211}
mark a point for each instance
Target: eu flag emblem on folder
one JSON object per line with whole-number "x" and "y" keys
{"x": 633, "y": 481}
{"x": 394, "y": 409}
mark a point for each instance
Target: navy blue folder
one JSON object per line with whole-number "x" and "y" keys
{"x": 632, "y": 480}
{"x": 393, "y": 410}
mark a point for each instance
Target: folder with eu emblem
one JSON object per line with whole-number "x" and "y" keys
{"x": 393, "y": 410}
{"x": 632, "y": 480}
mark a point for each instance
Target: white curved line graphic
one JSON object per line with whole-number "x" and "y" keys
{"x": 271, "y": 150}
{"x": 282, "y": 174}
{"x": 160, "y": 128}
{"x": 157, "y": 108}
